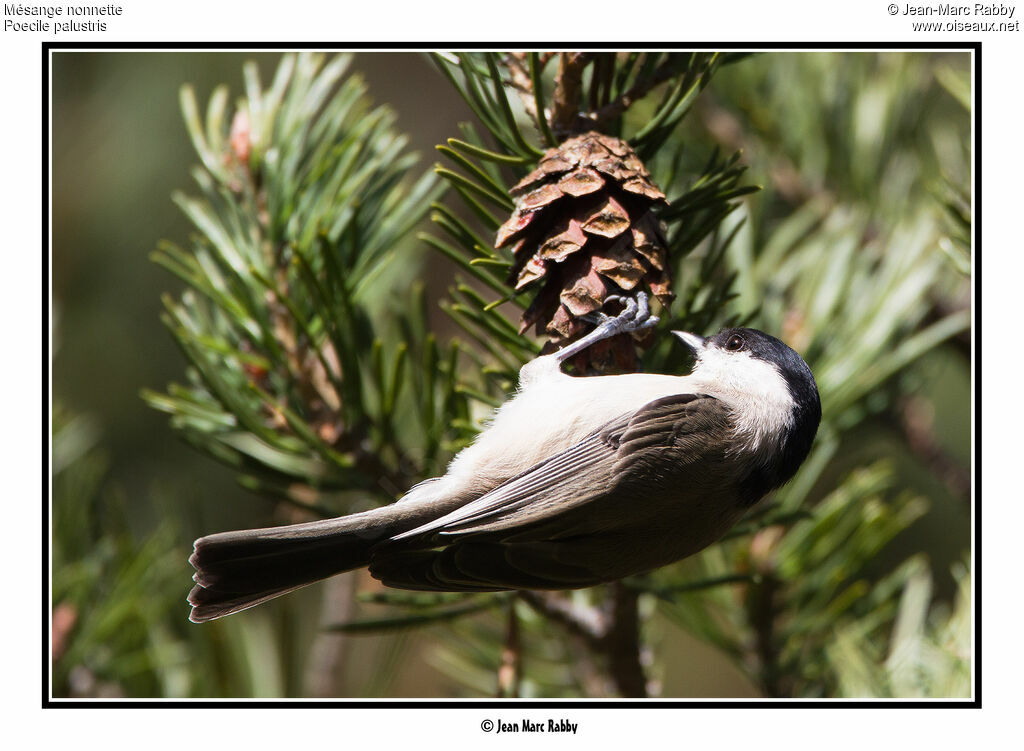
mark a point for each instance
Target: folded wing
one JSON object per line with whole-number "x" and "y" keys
{"x": 569, "y": 520}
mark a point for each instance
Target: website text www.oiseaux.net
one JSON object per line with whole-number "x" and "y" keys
{"x": 979, "y": 17}
{"x": 965, "y": 25}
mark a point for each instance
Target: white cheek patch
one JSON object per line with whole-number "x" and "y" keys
{"x": 753, "y": 388}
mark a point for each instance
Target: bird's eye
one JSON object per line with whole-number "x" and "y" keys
{"x": 735, "y": 343}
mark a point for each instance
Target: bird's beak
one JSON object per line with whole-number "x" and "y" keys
{"x": 694, "y": 342}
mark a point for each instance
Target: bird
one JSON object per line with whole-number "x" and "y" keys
{"x": 575, "y": 481}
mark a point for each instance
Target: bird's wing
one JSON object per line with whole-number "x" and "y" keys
{"x": 618, "y": 457}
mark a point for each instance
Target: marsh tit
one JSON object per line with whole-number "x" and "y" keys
{"x": 576, "y": 481}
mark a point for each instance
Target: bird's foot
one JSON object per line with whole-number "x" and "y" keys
{"x": 635, "y": 316}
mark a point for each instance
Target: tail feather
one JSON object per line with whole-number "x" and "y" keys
{"x": 220, "y": 604}
{"x": 237, "y": 570}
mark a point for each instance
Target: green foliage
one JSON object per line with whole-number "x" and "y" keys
{"x": 953, "y": 190}
{"x": 552, "y": 666}
{"x": 804, "y": 580}
{"x": 118, "y": 604}
{"x": 423, "y": 611}
{"x": 109, "y": 611}
{"x": 929, "y": 652}
{"x": 296, "y": 378}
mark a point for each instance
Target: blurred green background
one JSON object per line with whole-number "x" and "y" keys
{"x": 138, "y": 495}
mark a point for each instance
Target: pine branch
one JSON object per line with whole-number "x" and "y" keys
{"x": 614, "y": 110}
{"x": 623, "y": 644}
{"x": 586, "y": 623}
{"x": 914, "y": 421}
{"x": 565, "y": 99}
{"x": 763, "y": 609}
{"x": 612, "y": 633}
{"x": 518, "y": 66}
{"x": 510, "y": 670}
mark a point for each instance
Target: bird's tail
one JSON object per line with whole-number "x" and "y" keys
{"x": 237, "y": 570}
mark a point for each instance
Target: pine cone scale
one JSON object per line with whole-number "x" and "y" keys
{"x": 586, "y": 295}
{"x": 558, "y": 247}
{"x": 643, "y": 188}
{"x": 581, "y": 182}
{"x": 540, "y": 197}
{"x": 549, "y": 165}
{"x": 610, "y": 219}
{"x": 647, "y": 243}
{"x": 511, "y": 229}
{"x": 620, "y": 264}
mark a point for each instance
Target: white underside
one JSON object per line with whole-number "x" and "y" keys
{"x": 553, "y": 411}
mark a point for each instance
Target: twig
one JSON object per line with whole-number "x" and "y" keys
{"x": 622, "y": 643}
{"x": 639, "y": 90}
{"x": 915, "y": 421}
{"x": 939, "y": 309}
{"x": 519, "y": 75}
{"x": 591, "y": 678}
{"x": 566, "y": 114}
{"x": 761, "y": 608}
{"x": 511, "y": 668}
{"x": 587, "y": 623}
{"x": 565, "y": 100}
{"x": 666, "y": 593}
{"x": 761, "y": 612}
{"x": 728, "y": 131}
{"x": 614, "y": 634}
{"x": 329, "y": 655}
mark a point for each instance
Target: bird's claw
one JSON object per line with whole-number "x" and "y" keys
{"x": 635, "y": 315}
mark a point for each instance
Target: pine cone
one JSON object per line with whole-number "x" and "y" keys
{"x": 584, "y": 228}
